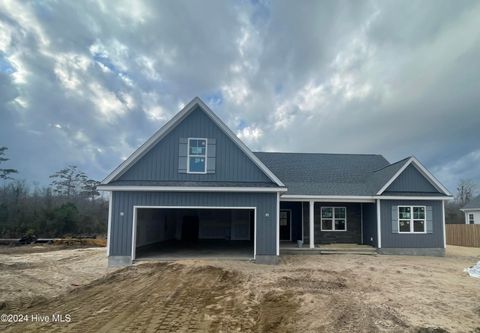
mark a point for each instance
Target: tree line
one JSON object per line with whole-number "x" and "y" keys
{"x": 70, "y": 206}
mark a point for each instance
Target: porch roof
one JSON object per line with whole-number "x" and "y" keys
{"x": 330, "y": 174}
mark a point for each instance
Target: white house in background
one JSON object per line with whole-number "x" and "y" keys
{"x": 472, "y": 211}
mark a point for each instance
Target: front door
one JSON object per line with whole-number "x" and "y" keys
{"x": 285, "y": 225}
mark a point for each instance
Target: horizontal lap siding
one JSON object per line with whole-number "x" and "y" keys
{"x": 121, "y": 226}
{"x": 161, "y": 162}
{"x": 397, "y": 240}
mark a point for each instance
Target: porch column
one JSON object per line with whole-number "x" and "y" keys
{"x": 310, "y": 216}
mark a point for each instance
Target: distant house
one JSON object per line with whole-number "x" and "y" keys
{"x": 194, "y": 187}
{"x": 472, "y": 211}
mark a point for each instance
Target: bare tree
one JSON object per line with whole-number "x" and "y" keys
{"x": 465, "y": 191}
{"x": 68, "y": 181}
{"x": 4, "y": 173}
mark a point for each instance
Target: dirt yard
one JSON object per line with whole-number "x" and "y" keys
{"x": 330, "y": 293}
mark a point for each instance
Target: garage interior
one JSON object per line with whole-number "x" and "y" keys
{"x": 181, "y": 233}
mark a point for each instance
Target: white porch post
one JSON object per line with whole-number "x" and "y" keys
{"x": 310, "y": 216}
{"x": 379, "y": 225}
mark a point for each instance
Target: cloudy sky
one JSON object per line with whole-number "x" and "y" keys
{"x": 87, "y": 82}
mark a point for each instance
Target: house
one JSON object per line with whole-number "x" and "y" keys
{"x": 195, "y": 187}
{"x": 472, "y": 211}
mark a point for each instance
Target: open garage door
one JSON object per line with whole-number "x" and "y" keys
{"x": 193, "y": 232}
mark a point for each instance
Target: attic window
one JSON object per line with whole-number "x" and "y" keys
{"x": 197, "y": 155}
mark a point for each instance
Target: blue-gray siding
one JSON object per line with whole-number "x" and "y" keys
{"x": 370, "y": 224}
{"x": 397, "y": 240}
{"x": 161, "y": 162}
{"x": 121, "y": 226}
{"x": 411, "y": 180}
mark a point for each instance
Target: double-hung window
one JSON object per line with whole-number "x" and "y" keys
{"x": 411, "y": 219}
{"x": 471, "y": 219}
{"x": 333, "y": 219}
{"x": 197, "y": 155}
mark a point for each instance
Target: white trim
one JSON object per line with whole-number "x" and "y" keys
{"x": 333, "y": 219}
{"x": 134, "y": 222}
{"x": 412, "y": 219}
{"x": 134, "y": 233}
{"x": 364, "y": 199}
{"x": 109, "y": 226}
{"x": 327, "y": 198}
{"x": 302, "y": 225}
{"x": 444, "y": 226}
{"x": 311, "y": 224}
{"x": 172, "y": 123}
{"x": 379, "y": 226}
{"x": 290, "y": 219}
{"x": 278, "y": 224}
{"x": 393, "y": 197}
{"x": 188, "y": 188}
{"x": 361, "y": 223}
{"x": 470, "y": 209}
{"x": 204, "y": 156}
{"x": 422, "y": 170}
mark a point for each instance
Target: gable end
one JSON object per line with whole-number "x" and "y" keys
{"x": 411, "y": 180}
{"x": 157, "y": 159}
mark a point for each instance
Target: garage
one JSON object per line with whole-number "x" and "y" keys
{"x": 193, "y": 232}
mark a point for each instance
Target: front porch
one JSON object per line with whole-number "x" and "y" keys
{"x": 328, "y": 226}
{"x": 289, "y": 248}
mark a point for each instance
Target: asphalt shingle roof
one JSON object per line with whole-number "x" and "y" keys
{"x": 330, "y": 174}
{"x": 474, "y": 203}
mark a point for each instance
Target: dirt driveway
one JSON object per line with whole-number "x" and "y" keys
{"x": 330, "y": 293}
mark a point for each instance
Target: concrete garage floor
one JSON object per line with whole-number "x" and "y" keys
{"x": 208, "y": 249}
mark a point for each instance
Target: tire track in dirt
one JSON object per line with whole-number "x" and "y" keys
{"x": 156, "y": 298}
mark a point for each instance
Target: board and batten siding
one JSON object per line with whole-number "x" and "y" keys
{"x": 161, "y": 162}
{"x": 123, "y": 202}
{"x": 411, "y": 180}
{"x": 405, "y": 240}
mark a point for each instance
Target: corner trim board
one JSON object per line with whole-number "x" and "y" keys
{"x": 109, "y": 226}
{"x": 444, "y": 226}
{"x": 278, "y": 224}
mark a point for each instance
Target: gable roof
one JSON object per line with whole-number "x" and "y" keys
{"x": 324, "y": 174}
{"x": 317, "y": 174}
{"x": 413, "y": 161}
{"x": 381, "y": 176}
{"x": 170, "y": 125}
{"x": 473, "y": 204}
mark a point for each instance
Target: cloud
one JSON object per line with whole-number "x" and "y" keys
{"x": 87, "y": 83}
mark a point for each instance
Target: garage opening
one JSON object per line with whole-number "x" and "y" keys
{"x": 180, "y": 233}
